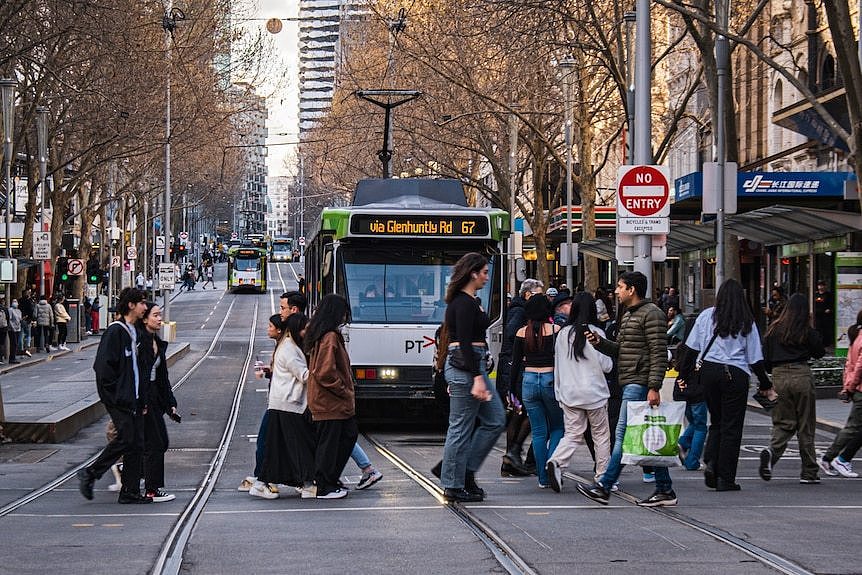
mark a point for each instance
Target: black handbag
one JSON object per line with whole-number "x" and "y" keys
{"x": 690, "y": 362}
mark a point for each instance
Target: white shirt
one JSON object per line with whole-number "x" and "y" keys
{"x": 287, "y": 390}
{"x": 580, "y": 383}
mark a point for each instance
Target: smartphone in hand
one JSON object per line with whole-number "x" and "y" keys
{"x": 175, "y": 416}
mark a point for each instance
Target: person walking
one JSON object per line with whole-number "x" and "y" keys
{"x": 331, "y": 397}
{"x": 44, "y": 323}
{"x": 641, "y": 352}
{"x": 160, "y": 401}
{"x": 61, "y": 317}
{"x": 508, "y": 382}
{"x": 581, "y": 389}
{"x": 290, "y": 442}
{"x": 732, "y": 351}
{"x": 824, "y": 316}
{"x": 15, "y": 320}
{"x": 470, "y": 395}
{"x": 838, "y": 457}
{"x": 534, "y": 353}
{"x": 124, "y": 393}
{"x": 208, "y": 274}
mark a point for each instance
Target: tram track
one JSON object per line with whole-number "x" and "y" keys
{"x": 502, "y": 552}
{"x": 71, "y": 473}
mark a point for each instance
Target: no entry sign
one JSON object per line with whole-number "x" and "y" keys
{"x": 643, "y": 200}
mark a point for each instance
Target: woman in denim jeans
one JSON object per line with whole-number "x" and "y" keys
{"x": 470, "y": 391}
{"x": 534, "y": 350}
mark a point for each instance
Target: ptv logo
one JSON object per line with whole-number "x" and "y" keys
{"x": 418, "y": 344}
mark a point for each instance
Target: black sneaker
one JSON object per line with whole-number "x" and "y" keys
{"x": 132, "y": 497}
{"x": 596, "y": 492}
{"x": 709, "y": 476}
{"x": 659, "y": 499}
{"x": 765, "y": 469}
{"x": 555, "y": 476}
{"x": 86, "y": 482}
{"x": 809, "y": 480}
{"x": 461, "y": 496}
{"x": 471, "y": 487}
{"x": 722, "y": 485}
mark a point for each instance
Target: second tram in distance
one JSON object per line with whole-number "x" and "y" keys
{"x": 390, "y": 254}
{"x": 246, "y": 269}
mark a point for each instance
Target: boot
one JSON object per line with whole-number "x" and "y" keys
{"x": 530, "y": 462}
{"x": 471, "y": 487}
{"x": 513, "y": 466}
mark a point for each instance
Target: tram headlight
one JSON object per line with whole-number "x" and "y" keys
{"x": 388, "y": 373}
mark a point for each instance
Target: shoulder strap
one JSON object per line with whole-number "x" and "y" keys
{"x": 706, "y": 350}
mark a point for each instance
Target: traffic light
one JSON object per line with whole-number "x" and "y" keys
{"x": 94, "y": 274}
{"x": 62, "y": 269}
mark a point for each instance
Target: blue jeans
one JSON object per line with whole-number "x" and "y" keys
{"x": 546, "y": 418}
{"x": 466, "y": 448}
{"x": 25, "y": 338}
{"x": 359, "y": 457}
{"x": 631, "y": 392}
{"x": 694, "y": 435}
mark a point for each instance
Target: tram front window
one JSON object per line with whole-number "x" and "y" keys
{"x": 402, "y": 288}
{"x": 245, "y": 265}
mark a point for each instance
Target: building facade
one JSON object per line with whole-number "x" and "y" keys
{"x": 250, "y": 124}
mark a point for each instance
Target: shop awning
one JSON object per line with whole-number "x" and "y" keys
{"x": 774, "y": 225}
{"x": 778, "y": 225}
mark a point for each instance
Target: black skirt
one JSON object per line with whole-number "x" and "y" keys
{"x": 288, "y": 456}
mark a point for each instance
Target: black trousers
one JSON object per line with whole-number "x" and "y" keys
{"x": 62, "y": 331}
{"x": 335, "y": 441}
{"x": 726, "y": 390}
{"x": 13, "y": 345}
{"x": 129, "y": 444}
{"x": 155, "y": 445}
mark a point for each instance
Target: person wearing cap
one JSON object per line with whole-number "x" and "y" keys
{"x": 552, "y": 293}
{"x": 562, "y": 305}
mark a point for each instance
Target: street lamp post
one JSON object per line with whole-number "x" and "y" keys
{"x": 513, "y": 184}
{"x": 722, "y": 64}
{"x": 42, "y": 145}
{"x": 643, "y": 124}
{"x": 7, "y": 85}
{"x": 568, "y": 65}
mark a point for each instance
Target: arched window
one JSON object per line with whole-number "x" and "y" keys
{"x": 777, "y": 133}
{"x": 827, "y": 73}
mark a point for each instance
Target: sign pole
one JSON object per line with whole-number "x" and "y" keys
{"x": 643, "y": 126}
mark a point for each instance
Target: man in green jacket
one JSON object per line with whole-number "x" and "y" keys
{"x": 641, "y": 355}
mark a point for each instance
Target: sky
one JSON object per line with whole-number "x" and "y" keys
{"x": 283, "y": 103}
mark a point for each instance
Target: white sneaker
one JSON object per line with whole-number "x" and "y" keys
{"x": 337, "y": 494}
{"x": 160, "y": 496}
{"x": 246, "y": 483}
{"x": 845, "y": 468}
{"x": 264, "y": 490}
{"x": 826, "y": 467}
{"x": 115, "y": 487}
{"x": 369, "y": 479}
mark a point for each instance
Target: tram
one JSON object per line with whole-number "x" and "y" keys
{"x": 246, "y": 269}
{"x": 281, "y": 250}
{"x": 390, "y": 254}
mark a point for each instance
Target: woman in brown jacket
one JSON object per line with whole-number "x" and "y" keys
{"x": 330, "y": 395}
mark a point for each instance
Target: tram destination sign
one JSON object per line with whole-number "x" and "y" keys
{"x": 440, "y": 226}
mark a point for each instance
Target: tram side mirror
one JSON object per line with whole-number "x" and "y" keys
{"x": 521, "y": 269}
{"x": 327, "y": 264}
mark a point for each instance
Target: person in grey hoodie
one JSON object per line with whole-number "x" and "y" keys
{"x": 44, "y": 323}
{"x": 14, "y": 331}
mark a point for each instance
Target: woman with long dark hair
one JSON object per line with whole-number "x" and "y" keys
{"x": 470, "y": 392}
{"x": 153, "y": 365}
{"x": 837, "y": 458}
{"x": 729, "y": 337}
{"x": 289, "y": 450}
{"x": 331, "y": 397}
{"x": 790, "y": 342}
{"x": 581, "y": 389}
{"x": 534, "y": 350}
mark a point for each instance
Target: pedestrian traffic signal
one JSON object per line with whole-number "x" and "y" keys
{"x": 94, "y": 274}
{"x": 63, "y": 269}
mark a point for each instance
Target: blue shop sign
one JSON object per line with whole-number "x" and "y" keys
{"x": 771, "y": 184}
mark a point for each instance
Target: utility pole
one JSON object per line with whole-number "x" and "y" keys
{"x": 568, "y": 65}
{"x": 513, "y": 184}
{"x": 721, "y": 59}
{"x": 42, "y": 146}
{"x": 643, "y": 126}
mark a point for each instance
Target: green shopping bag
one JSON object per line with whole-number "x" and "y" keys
{"x": 652, "y": 433}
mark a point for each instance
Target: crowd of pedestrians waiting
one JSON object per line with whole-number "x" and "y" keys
{"x": 32, "y": 324}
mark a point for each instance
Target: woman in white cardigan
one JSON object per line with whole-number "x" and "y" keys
{"x": 581, "y": 388}
{"x": 289, "y": 452}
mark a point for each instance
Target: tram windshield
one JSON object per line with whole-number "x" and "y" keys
{"x": 246, "y": 264}
{"x": 401, "y": 285}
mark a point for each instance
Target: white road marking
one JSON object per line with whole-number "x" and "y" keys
{"x": 324, "y": 509}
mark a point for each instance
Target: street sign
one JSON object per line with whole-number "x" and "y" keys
{"x": 166, "y": 276}
{"x": 643, "y": 200}
{"x": 302, "y": 241}
{"x": 625, "y": 250}
{"x": 184, "y": 236}
{"x": 710, "y": 187}
{"x": 115, "y": 261}
{"x": 76, "y": 267}
{"x": 160, "y": 246}
{"x": 131, "y": 253}
{"x": 8, "y": 271}
{"x": 41, "y": 245}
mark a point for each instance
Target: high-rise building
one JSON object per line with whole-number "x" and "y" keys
{"x": 250, "y": 124}
{"x": 321, "y": 26}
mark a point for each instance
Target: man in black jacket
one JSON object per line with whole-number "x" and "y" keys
{"x": 124, "y": 394}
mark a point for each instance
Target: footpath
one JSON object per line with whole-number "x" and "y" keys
{"x": 49, "y": 397}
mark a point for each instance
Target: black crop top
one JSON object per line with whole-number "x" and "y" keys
{"x": 543, "y": 357}
{"x": 466, "y": 323}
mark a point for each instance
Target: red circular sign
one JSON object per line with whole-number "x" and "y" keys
{"x": 643, "y": 191}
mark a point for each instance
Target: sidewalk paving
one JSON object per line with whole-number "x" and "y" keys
{"x": 50, "y": 397}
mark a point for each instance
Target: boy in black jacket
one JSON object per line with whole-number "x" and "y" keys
{"x": 124, "y": 394}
